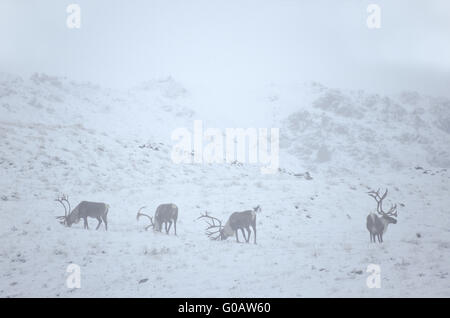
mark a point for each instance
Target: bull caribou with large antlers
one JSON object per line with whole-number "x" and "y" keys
{"x": 376, "y": 225}
{"x": 237, "y": 221}
{"x": 83, "y": 210}
{"x": 165, "y": 213}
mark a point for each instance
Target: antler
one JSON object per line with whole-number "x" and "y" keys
{"x": 211, "y": 226}
{"x": 393, "y": 211}
{"x": 379, "y": 199}
{"x": 139, "y": 214}
{"x": 62, "y": 199}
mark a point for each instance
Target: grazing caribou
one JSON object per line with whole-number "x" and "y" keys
{"x": 376, "y": 225}
{"x": 236, "y": 221}
{"x": 165, "y": 213}
{"x": 83, "y": 210}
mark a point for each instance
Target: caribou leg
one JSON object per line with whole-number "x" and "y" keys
{"x": 249, "y": 233}
{"x": 86, "y": 225}
{"x": 237, "y": 238}
{"x": 175, "y": 227}
{"x": 99, "y": 222}
{"x": 243, "y": 234}
{"x": 104, "y": 217}
{"x": 168, "y": 230}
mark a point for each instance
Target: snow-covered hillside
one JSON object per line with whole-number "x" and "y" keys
{"x": 97, "y": 144}
{"x": 356, "y": 130}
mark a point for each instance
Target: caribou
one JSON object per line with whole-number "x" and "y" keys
{"x": 85, "y": 209}
{"x": 165, "y": 213}
{"x": 376, "y": 225}
{"x": 237, "y": 221}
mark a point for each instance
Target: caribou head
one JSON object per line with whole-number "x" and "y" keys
{"x": 64, "y": 219}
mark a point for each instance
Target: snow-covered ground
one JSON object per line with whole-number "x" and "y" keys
{"x": 97, "y": 144}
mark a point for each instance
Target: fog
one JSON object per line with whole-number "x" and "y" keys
{"x": 238, "y": 64}
{"x": 227, "y": 48}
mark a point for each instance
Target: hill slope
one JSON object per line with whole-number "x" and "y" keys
{"x": 114, "y": 146}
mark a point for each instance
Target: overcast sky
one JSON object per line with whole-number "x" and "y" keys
{"x": 227, "y": 45}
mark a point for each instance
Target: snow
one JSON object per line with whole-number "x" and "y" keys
{"x": 113, "y": 146}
